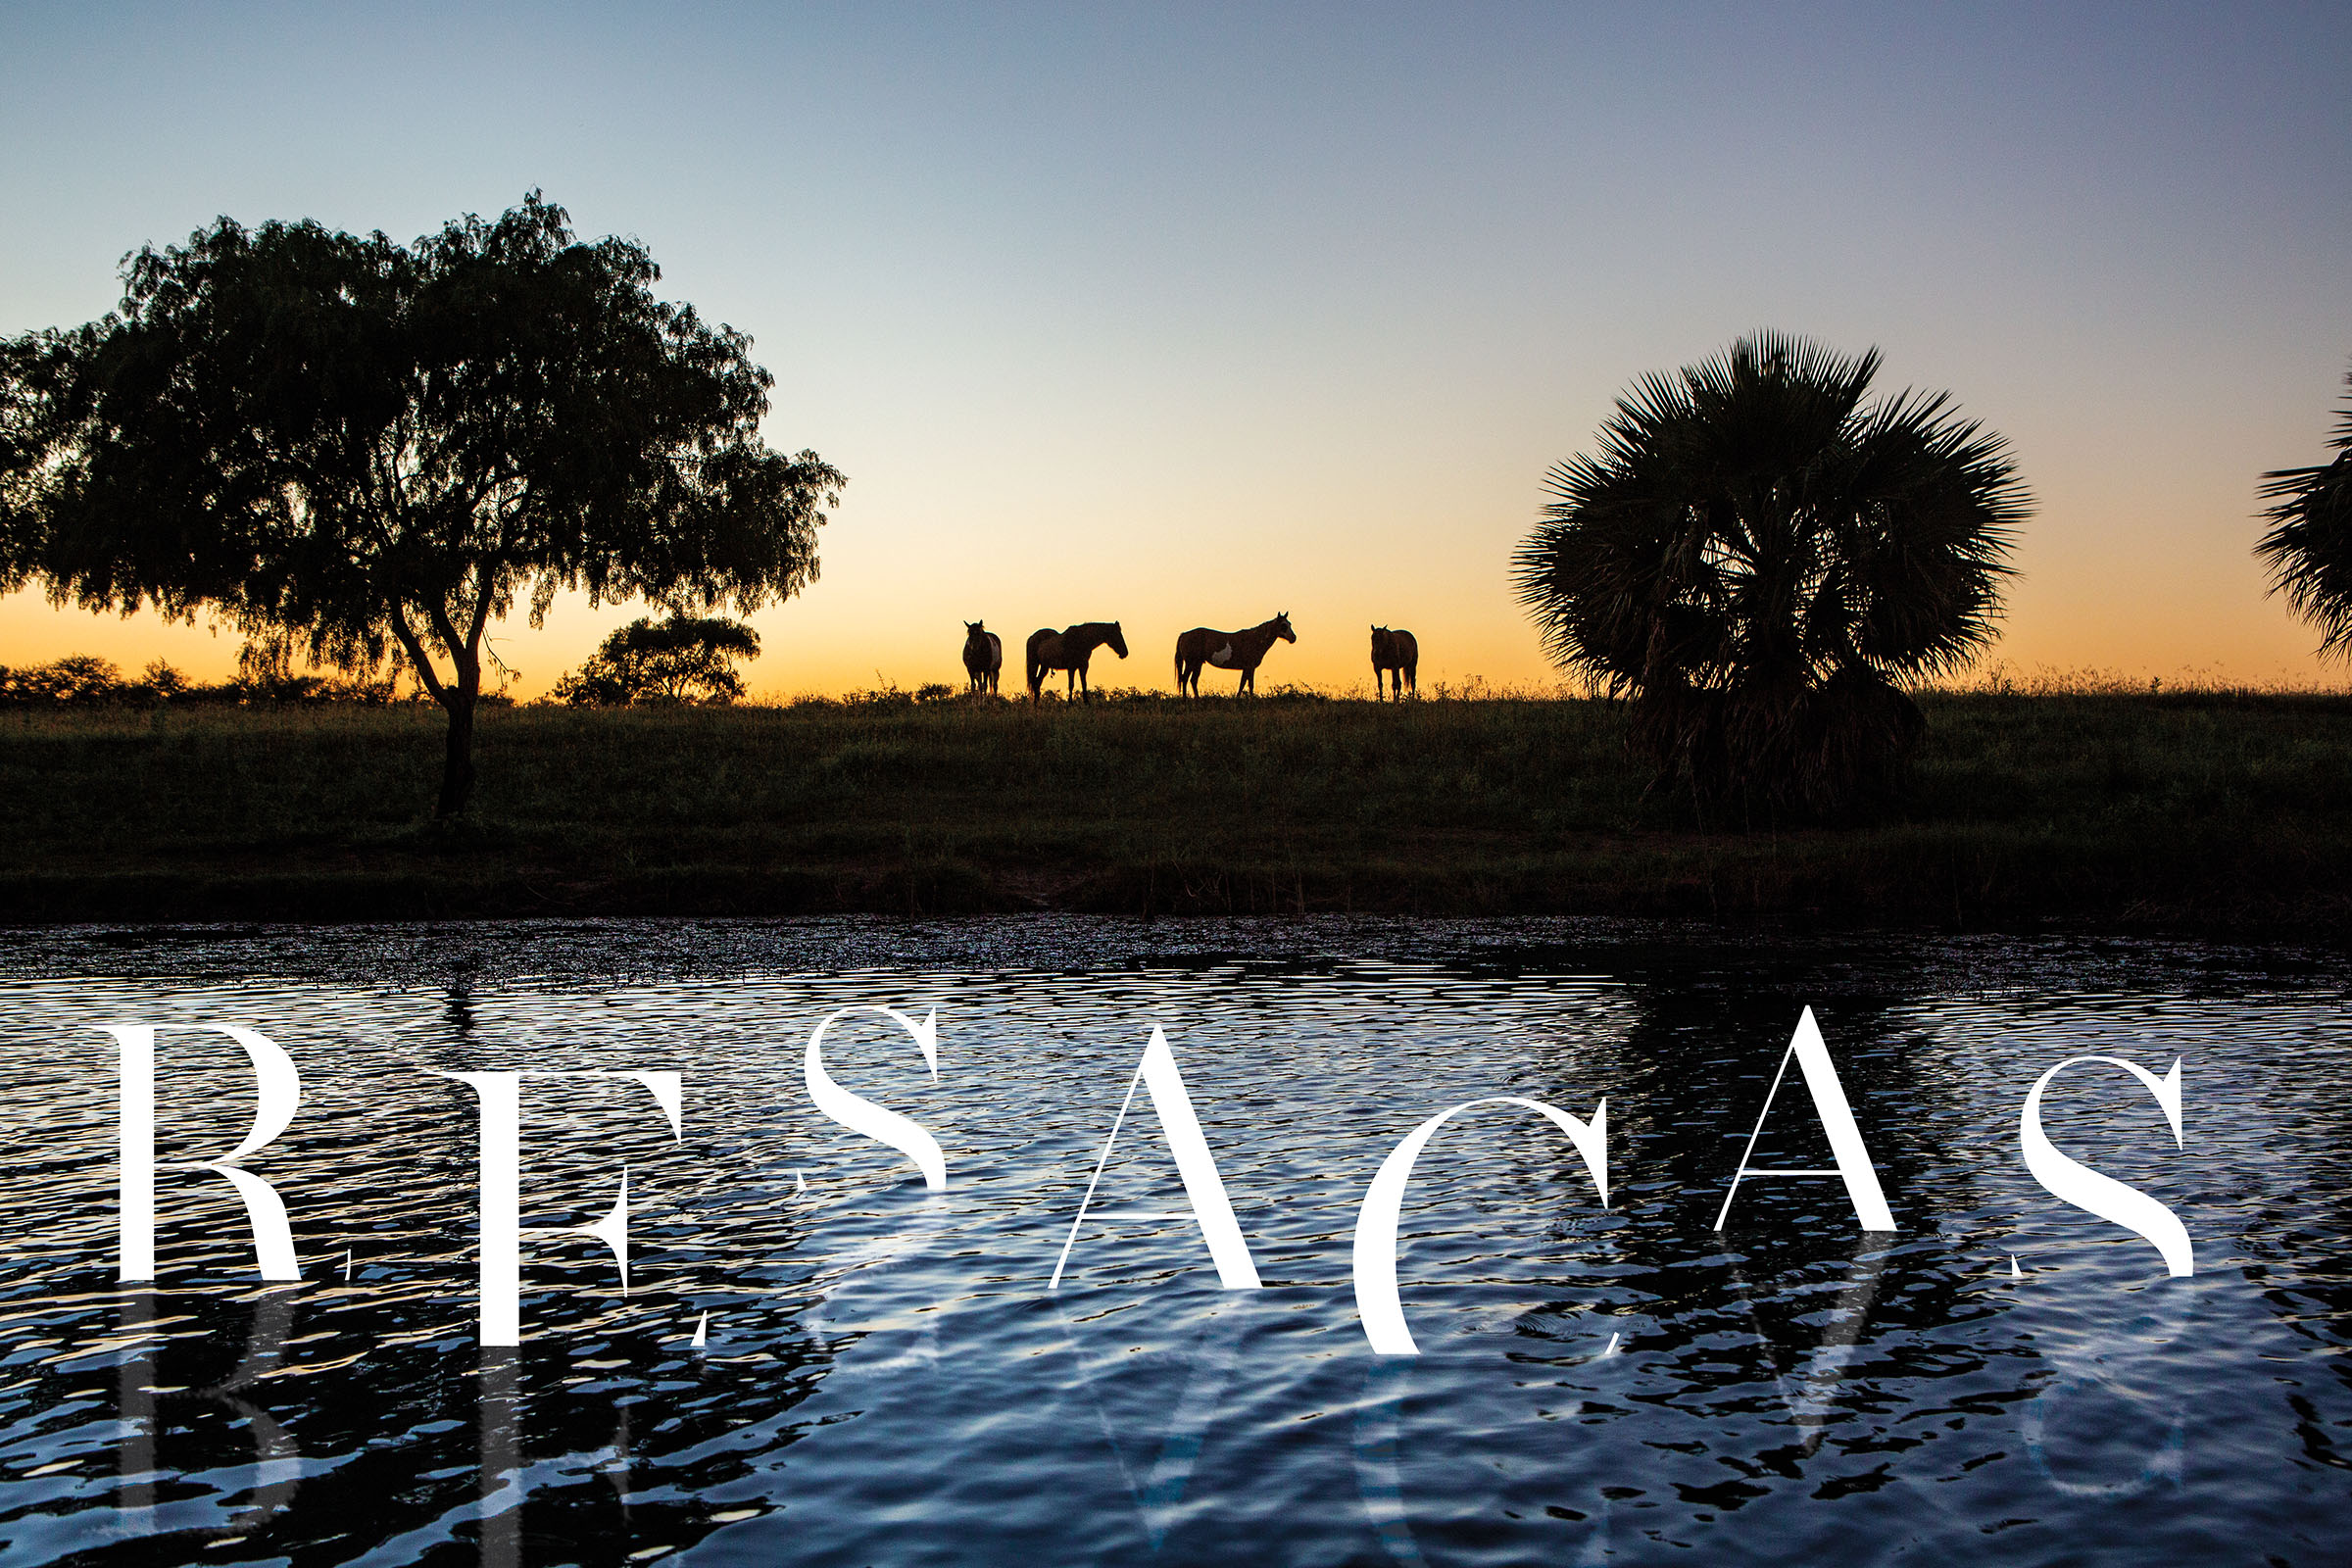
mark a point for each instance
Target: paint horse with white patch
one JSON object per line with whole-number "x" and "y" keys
{"x": 983, "y": 656}
{"x": 1395, "y": 651}
{"x": 1244, "y": 651}
{"x": 1069, "y": 648}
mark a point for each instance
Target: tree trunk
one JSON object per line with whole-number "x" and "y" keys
{"x": 457, "y": 770}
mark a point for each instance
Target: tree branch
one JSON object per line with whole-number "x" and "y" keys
{"x": 446, "y": 629}
{"x": 481, "y": 606}
{"x": 418, "y": 659}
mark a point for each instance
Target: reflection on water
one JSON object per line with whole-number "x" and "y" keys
{"x": 883, "y": 1375}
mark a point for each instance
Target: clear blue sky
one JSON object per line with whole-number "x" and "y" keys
{"x": 1181, "y": 315}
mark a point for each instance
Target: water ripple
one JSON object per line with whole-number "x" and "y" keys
{"x": 884, "y": 1376}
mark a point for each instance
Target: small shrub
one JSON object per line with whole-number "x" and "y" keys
{"x": 683, "y": 660}
{"x": 883, "y": 697}
{"x": 74, "y": 679}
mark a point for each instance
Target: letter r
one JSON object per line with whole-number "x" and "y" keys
{"x": 279, "y": 1090}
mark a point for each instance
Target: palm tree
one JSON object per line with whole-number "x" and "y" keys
{"x": 2309, "y": 548}
{"x": 1758, "y": 557}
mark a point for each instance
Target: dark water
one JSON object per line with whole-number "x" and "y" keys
{"x": 887, "y": 1379}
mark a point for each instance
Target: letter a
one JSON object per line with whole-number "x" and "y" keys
{"x": 1837, "y": 1119}
{"x": 279, "y": 1089}
{"x": 1201, "y": 1186}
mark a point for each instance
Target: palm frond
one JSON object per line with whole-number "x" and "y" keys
{"x": 1753, "y": 551}
{"x": 2309, "y": 546}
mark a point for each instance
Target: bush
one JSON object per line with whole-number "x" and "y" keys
{"x": 74, "y": 679}
{"x": 683, "y": 660}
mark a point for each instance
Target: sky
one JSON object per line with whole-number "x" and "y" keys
{"x": 1190, "y": 315}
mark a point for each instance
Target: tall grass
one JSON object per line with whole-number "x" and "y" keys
{"x": 2200, "y": 806}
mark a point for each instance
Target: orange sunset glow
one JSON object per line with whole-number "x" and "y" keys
{"x": 1088, "y": 350}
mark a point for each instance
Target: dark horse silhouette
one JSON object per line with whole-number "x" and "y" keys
{"x": 1069, "y": 648}
{"x": 983, "y": 656}
{"x": 1244, "y": 651}
{"x": 1394, "y": 650}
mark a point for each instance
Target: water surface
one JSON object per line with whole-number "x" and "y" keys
{"x": 885, "y": 1376}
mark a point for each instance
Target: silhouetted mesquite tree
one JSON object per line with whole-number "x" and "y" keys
{"x": 378, "y": 448}
{"x": 685, "y": 659}
{"x": 2309, "y": 548}
{"x": 1758, "y": 557}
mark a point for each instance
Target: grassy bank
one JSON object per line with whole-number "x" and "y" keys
{"x": 2149, "y": 810}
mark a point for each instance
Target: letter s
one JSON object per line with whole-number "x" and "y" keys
{"x": 861, "y": 1115}
{"x": 2104, "y": 1196}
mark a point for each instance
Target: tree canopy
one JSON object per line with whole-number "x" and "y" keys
{"x": 381, "y": 449}
{"x": 2309, "y": 548}
{"x": 684, "y": 659}
{"x": 1757, "y": 555}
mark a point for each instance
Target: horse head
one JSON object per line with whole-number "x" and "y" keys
{"x": 975, "y": 628}
{"x": 1282, "y": 627}
{"x": 1116, "y": 642}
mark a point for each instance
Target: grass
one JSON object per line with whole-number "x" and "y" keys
{"x": 2194, "y": 809}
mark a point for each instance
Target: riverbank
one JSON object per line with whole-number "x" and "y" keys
{"x": 2186, "y": 811}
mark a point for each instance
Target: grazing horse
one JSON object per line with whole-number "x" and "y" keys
{"x": 1069, "y": 648}
{"x": 983, "y": 656}
{"x": 1394, "y": 650}
{"x": 1228, "y": 650}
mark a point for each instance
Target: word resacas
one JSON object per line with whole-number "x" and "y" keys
{"x": 499, "y": 1098}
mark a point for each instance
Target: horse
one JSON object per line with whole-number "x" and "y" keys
{"x": 1228, "y": 650}
{"x": 1394, "y": 650}
{"x": 1069, "y": 648}
{"x": 983, "y": 656}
